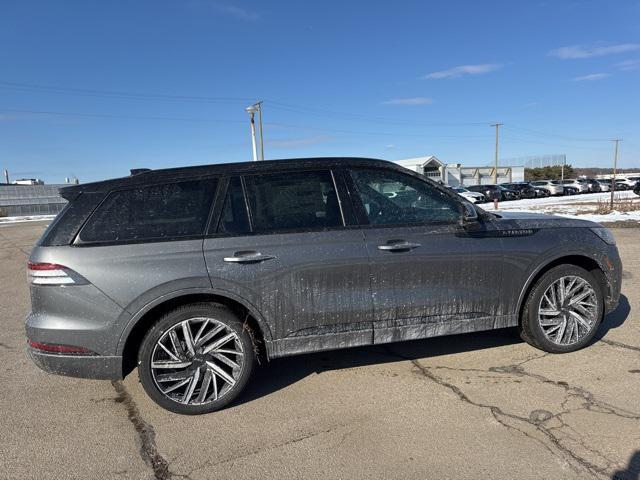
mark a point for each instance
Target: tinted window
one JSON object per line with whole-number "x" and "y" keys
{"x": 234, "y": 219}
{"x": 390, "y": 197}
{"x": 299, "y": 200}
{"x": 153, "y": 212}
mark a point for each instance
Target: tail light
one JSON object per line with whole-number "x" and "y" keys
{"x": 50, "y": 274}
{"x": 57, "y": 348}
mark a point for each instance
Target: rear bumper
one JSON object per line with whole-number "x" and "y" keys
{"x": 82, "y": 366}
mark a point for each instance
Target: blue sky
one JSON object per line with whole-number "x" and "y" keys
{"x": 92, "y": 88}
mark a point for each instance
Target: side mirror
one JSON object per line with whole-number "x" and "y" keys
{"x": 469, "y": 215}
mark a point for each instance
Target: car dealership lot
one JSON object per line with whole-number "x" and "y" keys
{"x": 472, "y": 406}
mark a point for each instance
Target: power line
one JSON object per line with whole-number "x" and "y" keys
{"x": 305, "y": 110}
{"x": 115, "y": 93}
{"x": 528, "y": 131}
{"x": 208, "y": 120}
{"x": 106, "y": 115}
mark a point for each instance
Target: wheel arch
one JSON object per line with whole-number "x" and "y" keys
{"x": 141, "y": 322}
{"x": 588, "y": 263}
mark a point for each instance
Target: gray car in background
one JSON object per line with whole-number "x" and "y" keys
{"x": 190, "y": 274}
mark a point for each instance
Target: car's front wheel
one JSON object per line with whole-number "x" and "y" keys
{"x": 196, "y": 359}
{"x": 563, "y": 310}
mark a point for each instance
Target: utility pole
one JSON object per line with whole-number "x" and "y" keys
{"x": 564, "y": 162}
{"x": 495, "y": 167}
{"x": 6, "y": 176}
{"x": 252, "y": 110}
{"x": 259, "y": 104}
{"x": 615, "y": 166}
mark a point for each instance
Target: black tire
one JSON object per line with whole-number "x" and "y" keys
{"x": 530, "y": 329}
{"x": 220, "y": 314}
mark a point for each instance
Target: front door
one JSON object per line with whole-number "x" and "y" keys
{"x": 429, "y": 275}
{"x": 290, "y": 255}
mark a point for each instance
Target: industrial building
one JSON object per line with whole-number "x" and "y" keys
{"x": 454, "y": 174}
{"x": 20, "y": 200}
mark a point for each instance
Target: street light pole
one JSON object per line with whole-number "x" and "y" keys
{"x": 495, "y": 167}
{"x": 615, "y": 166}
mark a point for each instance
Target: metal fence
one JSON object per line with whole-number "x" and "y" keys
{"x": 20, "y": 200}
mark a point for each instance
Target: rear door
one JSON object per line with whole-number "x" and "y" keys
{"x": 281, "y": 244}
{"x": 429, "y": 275}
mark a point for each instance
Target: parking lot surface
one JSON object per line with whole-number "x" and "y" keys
{"x": 472, "y": 406}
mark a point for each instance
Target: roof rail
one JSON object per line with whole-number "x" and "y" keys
{"x": 138, "y": 171}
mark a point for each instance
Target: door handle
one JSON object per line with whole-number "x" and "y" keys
{"x": 398, "y": 246}
{"x": 248, "y": 256}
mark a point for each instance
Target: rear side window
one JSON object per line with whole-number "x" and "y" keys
{"x": 292, "y": 201}
{"x": 157, "y": 212}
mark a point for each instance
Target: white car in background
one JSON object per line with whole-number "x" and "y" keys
{"x": 581, "y": 185}
{"x": 605, "y": 185}
{"x": 549, "y": 186}
{"x": 473, "y": 197}
{"x": 629, "y": 181}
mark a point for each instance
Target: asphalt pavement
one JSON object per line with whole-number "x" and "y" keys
{"x": 466, "y": 407}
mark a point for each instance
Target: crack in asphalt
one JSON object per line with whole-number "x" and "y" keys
{"x": 613, "y": 343}
{"x": 539, "y": 419}
{"x": 256, "y": 451}
{"x": 145, "y": 435}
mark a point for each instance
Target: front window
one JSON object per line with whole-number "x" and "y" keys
{"x": 394, "y": 198}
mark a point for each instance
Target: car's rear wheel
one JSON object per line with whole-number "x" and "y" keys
{"x": 196, "y": 359}
{"x": 563, "y": 310}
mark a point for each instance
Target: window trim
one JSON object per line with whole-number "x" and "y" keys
{"x": 339, "y": 188}
{"x": 78, "y": 242}
{"x": 361, "y": 213}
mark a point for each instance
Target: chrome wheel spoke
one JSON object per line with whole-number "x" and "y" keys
{"x": 227, "y": 361}
{"x": 197, "y": 361}
{"x": 568, "y": 310}
{"x": 221, "y": 373}
{"x": 188, "y": 338}
{"x": 218, "y": 343}
{"x": 171, "y": 364}
{"x": 192, "y": 386}
{"x": 210, "y": 335}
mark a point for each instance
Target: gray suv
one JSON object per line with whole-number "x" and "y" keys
{"x": 191, "y": 273}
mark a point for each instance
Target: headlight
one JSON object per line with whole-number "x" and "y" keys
{"x": 605, "y": 234}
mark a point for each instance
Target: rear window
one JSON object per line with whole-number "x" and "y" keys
{"x": 168, "y": 211}
{"x": 293, "y": 201}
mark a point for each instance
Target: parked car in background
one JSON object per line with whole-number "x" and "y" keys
{"x": 187, "y": 274}
{"x": 570, "y": 190}
{"x": 593, "y": 185}
{"x": 630, "y": 182}
{"x": 636, "y": 188}
{"x": 580, "y": 185}
{"x": 473, "y": 197}
{"x": 491, "y": 192}
{"x": 524, "y": 189}
{"x": 549, "y": 186}
{"x": 605, "y": 185}
{"x": 622, "y": 184}
{"x": 508, "y": 194}
{"x": 541, "y": 192}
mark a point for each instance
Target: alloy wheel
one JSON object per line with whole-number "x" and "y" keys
{"x": 568, "y": 310}
{"x": 197, "y": 361}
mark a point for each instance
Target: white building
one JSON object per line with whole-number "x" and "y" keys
{"x": 455, "y": 174}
